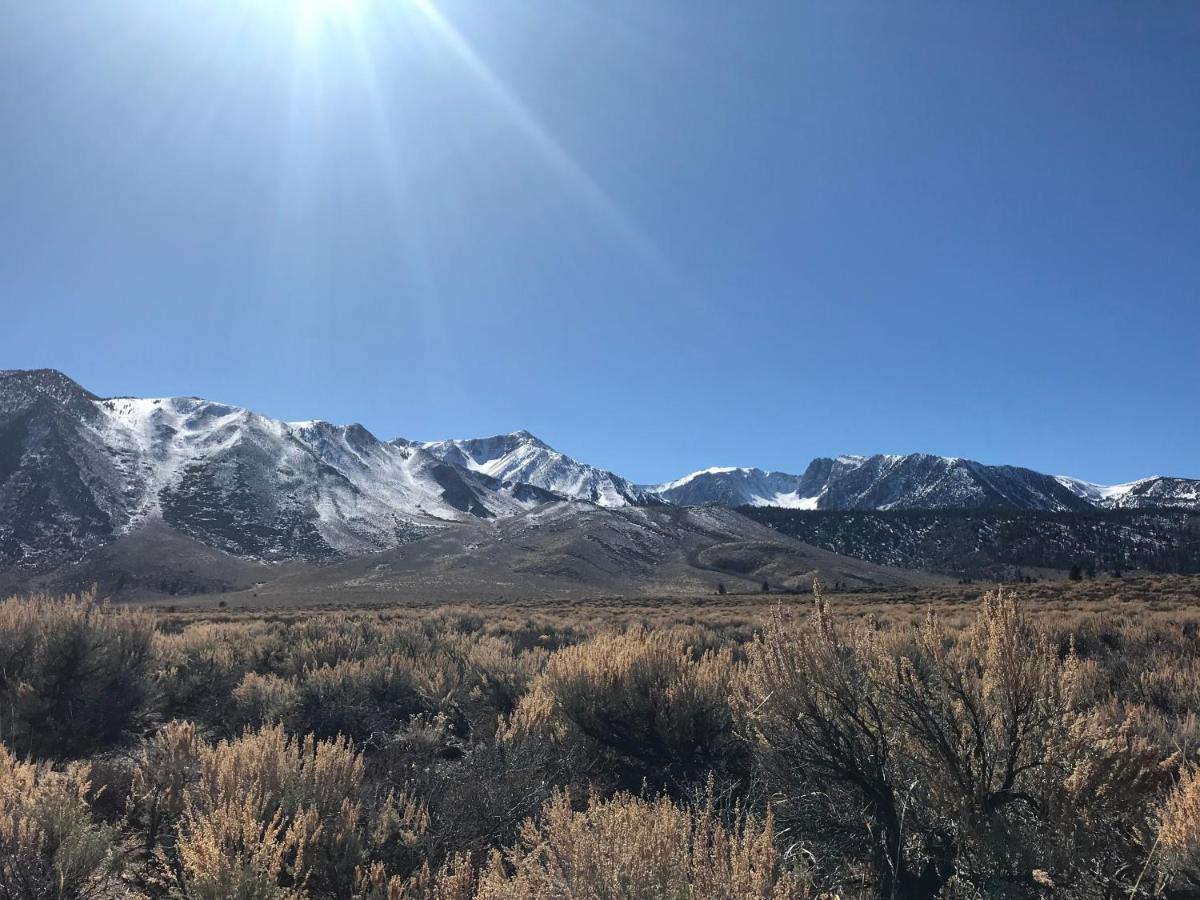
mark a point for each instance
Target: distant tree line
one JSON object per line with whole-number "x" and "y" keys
{"x": 995, "y": 543}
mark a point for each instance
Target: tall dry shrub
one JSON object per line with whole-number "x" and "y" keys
{"x": 456, "y": 879}
{"x": 50, "y": 846}
{"x": 355, "y": 675}
{"x": 264, "y": 700}
{"x": 236, "y": 851}
{"x": 642, "y": 699}
{"x": 825, "y": 747}
{"x": 74, "y": 674}
{"x": 478, "y": 799}
{"x": 496, "y": 676}
{"x": 965, "y": 755}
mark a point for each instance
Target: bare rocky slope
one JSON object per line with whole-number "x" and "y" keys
{"x": 581, "y": 550}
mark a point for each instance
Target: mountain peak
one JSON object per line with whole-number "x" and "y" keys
{"x": 44, "y": 380}
{"x": 519, "y": 457}
{"x": 523, "y": 436}
{"x": 21, "y": 388}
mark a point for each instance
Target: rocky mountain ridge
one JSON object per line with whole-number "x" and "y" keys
{"x": 78, "y": 471}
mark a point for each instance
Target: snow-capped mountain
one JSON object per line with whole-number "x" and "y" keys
{"x": 521, "y": 457}
{"x": 1155, "y": 492}
{"x": 917, "y": 481}
{"x": 77, "y": 470}
{"x": 922, "y": 481}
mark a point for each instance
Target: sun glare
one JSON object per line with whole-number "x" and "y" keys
{"x": 353, "y": 35}
{"x": 314, "y": 17}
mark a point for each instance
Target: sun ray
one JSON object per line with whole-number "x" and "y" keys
{"x": 577, "y": 179}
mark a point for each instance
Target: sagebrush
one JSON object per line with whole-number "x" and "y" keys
{"x": 994, "y": 750}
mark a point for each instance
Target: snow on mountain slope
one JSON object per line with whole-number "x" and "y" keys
{"x": 1096, "y": 494}
{"x": 920, "y": 481}
{"x": 406, "y": 477}
{"x": 729, "y": 486}
{"x": 916, "y": 481}
{"x": 521, "y": 457}
{"x": 78, "y": 472}
{"x": 1160, "y": 491}
{"x": 1157, "y": 491}
{"x": 266, "y": 488}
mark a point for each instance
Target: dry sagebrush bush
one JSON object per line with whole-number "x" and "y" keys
{"x": 624, "y": 848}
{"x": 74, "y": 674}
{"x": 823, "y": 744}
{"x": 456, "y": 879}
{"x": 167, "y": 767}
{"x": 363, "y": 698}
{"x": 1179, "y": 833}
{"x": 331, "y": 639}
{"x": 497, "y": 674}
{"x": 271, "y": 815}
{"x": 1171, "y": 682}
{"x": 995, "y": 752}
{"x": 50, "y": 847}
{"x": 642, "y": 698}
{"x": 199, "y": 667}
{"x": 964, "y": 752}
{"x": 264, "y": 700}
{"x": 632, "y": 849}
{"x": 479, "y": 800}
{"x": 303, "y": 790}
{"x": 236, "y": 852}
{"x": 339, "y": 674}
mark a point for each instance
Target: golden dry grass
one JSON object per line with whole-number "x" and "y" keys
{"x": 950, "y": 742}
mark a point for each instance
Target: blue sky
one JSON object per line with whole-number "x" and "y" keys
{"x": 661, "y": 235}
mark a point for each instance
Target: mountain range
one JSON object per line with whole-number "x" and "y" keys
{"x": 78, "y": 472}
{"x": 921, "y": 481}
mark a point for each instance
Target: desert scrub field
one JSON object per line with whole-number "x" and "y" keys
{"x": 1037, "y": 743}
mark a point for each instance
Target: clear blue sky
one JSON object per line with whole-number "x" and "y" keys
{"x": 661, "y": 235}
